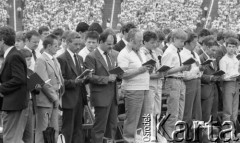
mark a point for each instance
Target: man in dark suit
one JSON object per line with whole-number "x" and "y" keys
{"x": 209, "y": 92}
{"x": 123, "y": 42}
{"x": 103, "y": 88}
{"x": 74, "y": 98}
{"x": 13, "y": 89}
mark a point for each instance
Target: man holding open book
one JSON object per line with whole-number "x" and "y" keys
{"x": 74, "y": 98}
{"x": 192, "y": 80}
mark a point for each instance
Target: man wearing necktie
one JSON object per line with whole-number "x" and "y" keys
{"x": 48, "y": 99}
{"x": 32, "y": 42}
{"x": 209, "y": 91}
{"x": 103, "y": 89}
{"x": 74, "y": 98}
{"x": 193, "y": 109}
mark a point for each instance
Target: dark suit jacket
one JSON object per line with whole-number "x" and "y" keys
{"x": 102, "y": 91}
{"x": 73, "y": 92}
{"x": 119, "y": 46}
{"x": 13, "y": 78}
{"x": 207, "y": 86}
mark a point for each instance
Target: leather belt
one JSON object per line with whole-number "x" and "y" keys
{"x": 173, "y": 77}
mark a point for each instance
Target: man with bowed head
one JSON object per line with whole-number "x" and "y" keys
{"x": 103, "y": 89}
{"x": 74, "y": 98}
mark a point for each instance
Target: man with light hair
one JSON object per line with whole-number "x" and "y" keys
{"x": 174, "y": 84}
{"x": 135, "y": 85}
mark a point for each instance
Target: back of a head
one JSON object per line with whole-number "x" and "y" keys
{"x": 166, "y": 31}
{"x": 209, "y": 41}
{"x": 48, "y": 40}
{"x": 82, "y": 27}
{"x": 127, "y": 27}
{"x": 42, "y": 29}
{"x": 95, "y": 27}
{"x": 8, "y": 35}
{"x": 31, "y": 33}
{"x": 160, "y": 35}
{"x": 58, "y": 32}
{"x": 204, "y": 32}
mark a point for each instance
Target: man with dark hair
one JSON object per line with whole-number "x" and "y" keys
{"x": 91, "y": 42}
{"x": 203, "y": 33}
{"x": 32, "y": 42}
{"x": 192, "y": 81}
{"x": 230, "y": 65}
{"x": 123, "y": 42}
{"x": 74, "y": 98}
{"x": 209, "y": 91}
{"x": 103, "y": 89}
{"x": 58, "y": 32}
{"x": 13, "y": 89}
{"x": 48, "y": 100}
{"x": 43, "y": 31}
{"x": 95, "y": 27}
{"x": 155, "y": 85}
{"x": 82, "y": 27}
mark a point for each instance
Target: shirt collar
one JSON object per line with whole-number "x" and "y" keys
{"x": 71, "y": 53}
{"x": 173, "y": 48}
{"x": 26, "y": 47}
{"x": 49, "y": 56}
{"x": 7, "y": 51}
{"x": 101, "y": 51}
{"x": 125, "y": 41}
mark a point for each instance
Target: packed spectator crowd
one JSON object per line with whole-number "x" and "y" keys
{"x": 162, "y": 13}
{"x": 229, "y": 15}
{"x": 55, "y": 13}
{"x": 4, "y": 14}
{"x": 198, "y": 73}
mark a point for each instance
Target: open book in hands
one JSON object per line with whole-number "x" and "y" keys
{"x": 219, "y": 73}
{"x": 35, "y": 81}
{"x": 164, "y": 68}
{"x": 208, "y": 61}
{"x": 189, "y": 61}
{"x": 150, "y": 62}
{"x": 85, "y": 73}
{"x": 117, "y": 71}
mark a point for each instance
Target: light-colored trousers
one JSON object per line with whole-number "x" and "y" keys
{"x": 42, "y": 122}
{"x": 230, "y": 100}
{"x": 137, "y": 105}
{"x": 175, "y": 89}
{"x": 155, "y": 93}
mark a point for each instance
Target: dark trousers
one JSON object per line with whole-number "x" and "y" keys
{"x": 193, "y": 109}
{"x": 72, "y": 124}
{"x": 105, "y": 122}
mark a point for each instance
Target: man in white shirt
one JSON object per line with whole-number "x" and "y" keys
{"x": 174, "y": 84}
{"x": 32, "y": 42}
{"x": 192, "y": 81}
{"x": 230, "y": 65}
{"x": 91, "y": 43}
